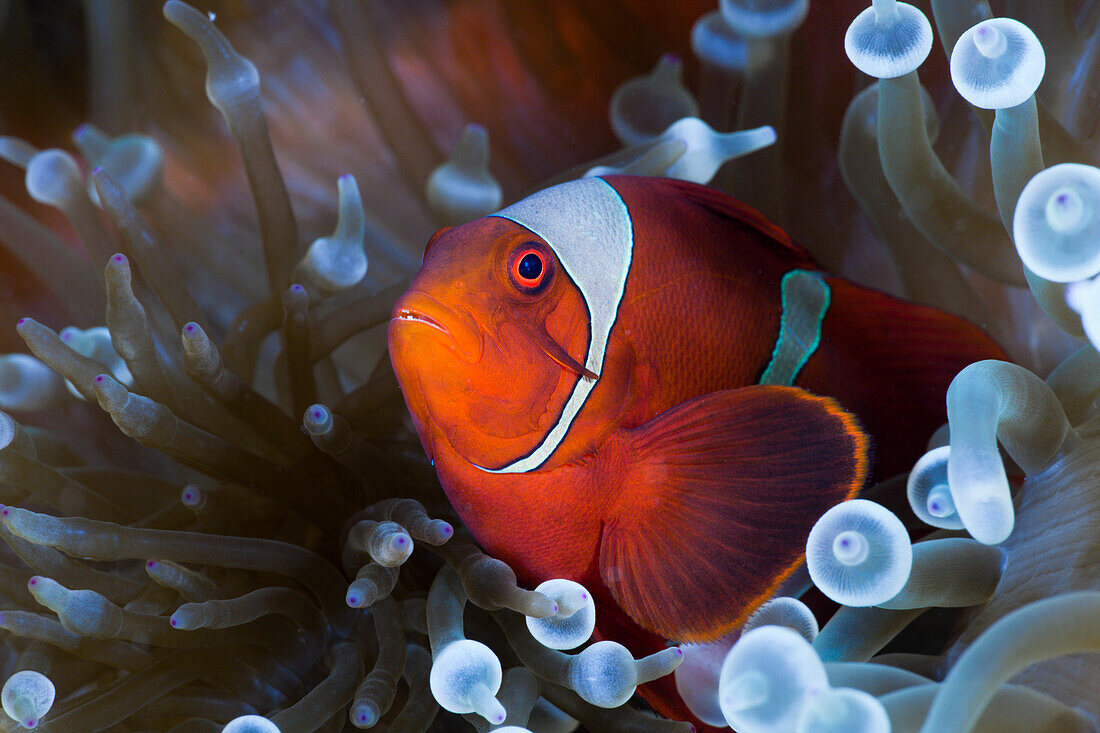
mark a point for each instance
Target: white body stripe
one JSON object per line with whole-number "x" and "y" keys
{"x": 588, "y": 226}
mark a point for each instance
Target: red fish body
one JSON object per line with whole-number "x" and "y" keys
{"x": 642, "y": 385}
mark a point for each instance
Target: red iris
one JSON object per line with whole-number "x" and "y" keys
{"x": 529, "y": 269}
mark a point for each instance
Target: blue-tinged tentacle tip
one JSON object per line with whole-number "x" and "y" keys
{"x": 858, "y": 553}
{"x": 1055, "y": 226}
{"x": 888, "y": 39}
{"x": 997, "y": 64}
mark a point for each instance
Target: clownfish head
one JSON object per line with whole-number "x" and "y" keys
{"x": 502, "y": 333}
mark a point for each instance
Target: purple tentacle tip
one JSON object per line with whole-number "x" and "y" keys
{"x": 119, "y": 258}
{"x": 33, "y": 580}
{"x": 174, "y": 622}
{"x": 151, "y": 564}
{"x": 101, "y": 379}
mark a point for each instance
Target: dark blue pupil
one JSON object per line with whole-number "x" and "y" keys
{"x": 530, "y": 267}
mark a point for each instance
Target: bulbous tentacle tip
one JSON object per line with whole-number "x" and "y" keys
{"x": 317, "y": 419}
{"x": 784, "y": 611}
{"x": 604, "y": 674}
{"x": 295, "y": 300}
{"x": 388, "y": 543}
{"x": 716, "y": 44}
{"x": 472, "y": 151}
{"x": 997, "y": 64}
{"x": 465, "y": 677}
{"x": 134, "y": 160}
{"x": 53, "y": 178}
{"x": 697, "y": 678}
{"x": 929, "y": 493}
{"x": 644, "y": 106}
{"x": 232, "y": 81}
{"x": 92, "y": 142}
{"x": 768, "y": 19}
{"x": 572, "y": 622}
{"x": 179, "y": 12}
{"x": 994, "y": 401}
{"x": 250, "y": 724}
{"x": 338, "y": 261}
{"x": 26, "y": 385}
{"x": 1056, "y": 227}
{"x": 858, "y": 553}
{"x": 364, "y": 715}
{"x": 695, "y": 149}
{"x": 989, "y": 514}
{"x": 463, "y": 189}
{"x": 888, "y": 40}
{"x": 766, "y": 679}
{"x": 27, "y": 697}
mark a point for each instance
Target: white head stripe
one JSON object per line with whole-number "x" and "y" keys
{"x": 588, "y": 226}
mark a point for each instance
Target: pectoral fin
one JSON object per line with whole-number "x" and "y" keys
{"x": 717, "y": 497}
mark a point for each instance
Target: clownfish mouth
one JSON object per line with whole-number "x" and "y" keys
{"x": 415, "y": 309}
{"x": 408, "y": 315}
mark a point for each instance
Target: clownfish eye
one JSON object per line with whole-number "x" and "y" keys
{"x": 529, "y": 269}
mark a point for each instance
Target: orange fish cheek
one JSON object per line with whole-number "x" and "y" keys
{"x": 430, "y": 372}
{"x": 512, "y": 403}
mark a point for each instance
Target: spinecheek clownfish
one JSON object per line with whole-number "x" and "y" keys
{"x": 643, "y": 385}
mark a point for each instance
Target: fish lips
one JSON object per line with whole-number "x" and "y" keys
{"x": 418, "y": 310}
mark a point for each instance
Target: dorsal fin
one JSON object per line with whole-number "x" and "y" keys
{"x": 726, "y": 207}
